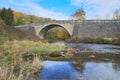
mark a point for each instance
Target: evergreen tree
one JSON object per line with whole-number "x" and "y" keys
{"x": 10, "y": 17}
{"x": 7, "y": 16}
{"x": 0, "y": 14}
{"x": 3, "y": 14}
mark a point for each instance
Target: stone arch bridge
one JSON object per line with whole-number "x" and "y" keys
{"x": 41, "y": 29}
{"x": 85, "y": 28}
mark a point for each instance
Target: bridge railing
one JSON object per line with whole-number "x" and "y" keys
{"x": 54, "y": 21}
{"x": 99, "y": 21}
{"x": 68, "y": 21}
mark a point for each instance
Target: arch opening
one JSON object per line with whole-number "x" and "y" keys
{"x": 54, "y": 30}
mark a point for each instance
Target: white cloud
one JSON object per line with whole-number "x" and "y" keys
{"x": 100, "y": 8}
{"x": 32, "y": 7}
{"x": 40, "y": 11}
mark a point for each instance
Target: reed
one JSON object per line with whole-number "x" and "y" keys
{"x": 26, "y": 70}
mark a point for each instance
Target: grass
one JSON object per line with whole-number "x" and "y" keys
{"x": 20, "y": 71}
{"x": 16, "y": 47}
{"x": 18, "y": 61}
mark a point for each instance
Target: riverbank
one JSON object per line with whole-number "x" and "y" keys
{"x": 85, "y": 56}
{"x": 21, "y": 58}
{"x": 99, "y": 40}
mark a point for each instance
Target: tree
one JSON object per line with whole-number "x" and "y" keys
{"x": 0, "y": 13}
{"x": 10, "y": 17}
{"x": 31, "y": 18}
{"x": 116, "y": 15}
{"x": 1, "y": 21}
{"x": 19, "y": 21}
{"x": 79, "y": 14}
{"x": 7, "y": 16}
{"x": 62, "y": 34}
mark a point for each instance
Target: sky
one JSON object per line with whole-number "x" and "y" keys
{"x": 63, "y": 9}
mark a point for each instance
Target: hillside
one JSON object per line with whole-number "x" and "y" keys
{"x": 11, "y": 17}
{"x": 27, "y": 19}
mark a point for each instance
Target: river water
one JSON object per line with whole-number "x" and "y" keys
{"x": 81, "y": 70}
{"x": 107, "y": 48}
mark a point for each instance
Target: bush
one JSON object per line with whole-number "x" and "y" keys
{"x": 2, "y": 23}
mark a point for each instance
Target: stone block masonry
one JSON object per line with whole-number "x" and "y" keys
{"x": 97, "y": 28}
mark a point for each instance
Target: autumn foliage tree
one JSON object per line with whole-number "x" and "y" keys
{"x": 57, "y": 33}
{"x": 62, "y": 34}
{"x": 79, "y": 14}
{"x": 116, "y": 15}
{"x": 22, "y": 18}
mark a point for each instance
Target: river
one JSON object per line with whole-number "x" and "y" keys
{"x": 84, "y": 70}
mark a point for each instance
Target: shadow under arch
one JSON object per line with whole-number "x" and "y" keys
{"x": 48, "y": 27}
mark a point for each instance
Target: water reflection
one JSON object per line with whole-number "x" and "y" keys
{"x": 78, "y": 65}
{"x": 100, "y": 71}
{"x": 78, "y": 70}
{"x": 58, "y": 71}
{"x": 116, "y": 66}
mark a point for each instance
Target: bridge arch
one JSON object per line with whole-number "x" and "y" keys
{"x": 43, "y": 31}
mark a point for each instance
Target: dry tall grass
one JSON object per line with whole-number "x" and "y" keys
{"x": 26, "y": 71}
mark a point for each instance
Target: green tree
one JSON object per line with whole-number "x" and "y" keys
{"x": 7, "y": 16}
{"x": 116, "y": 15}
{"x": 79, "y": 14}
{"x": 31, "y": 19}
{"x": 10, "y": 17}
{"x": 1, "y": 21}
{"x": 20, "y": 21}
{"x": 0, "y": 13}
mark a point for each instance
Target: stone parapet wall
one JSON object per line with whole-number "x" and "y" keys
{"x": 97, "y": 28}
